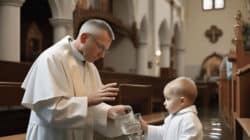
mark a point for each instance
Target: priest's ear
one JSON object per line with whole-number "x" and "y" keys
{"x": 83, "y": 37}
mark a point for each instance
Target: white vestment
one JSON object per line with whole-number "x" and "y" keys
{"x": 56, "y": 87}
{"x": 184, "y": 125}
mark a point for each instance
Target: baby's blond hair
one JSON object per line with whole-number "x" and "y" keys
{"x": 182, "y": 86}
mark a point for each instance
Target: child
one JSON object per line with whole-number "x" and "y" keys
{"x": 182, "y": 122}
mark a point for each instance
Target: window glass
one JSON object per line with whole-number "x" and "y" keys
{"x": 207, "y": 4}
{"x": 219, "y": 4}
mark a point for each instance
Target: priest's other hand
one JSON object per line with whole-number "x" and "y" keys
{"x": 107, "y": 92}
{"x": 118, "y": 110}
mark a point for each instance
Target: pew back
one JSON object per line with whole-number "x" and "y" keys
{"x": 13, "y": 71}
{"x": 13, "y": 117}
{"x": 157, "y": 83}
{"x": 138, "y": 96}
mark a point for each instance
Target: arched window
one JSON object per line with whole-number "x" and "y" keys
{"x": 213, "y": 4}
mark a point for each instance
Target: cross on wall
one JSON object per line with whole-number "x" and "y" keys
{"x": 213, "y": 34}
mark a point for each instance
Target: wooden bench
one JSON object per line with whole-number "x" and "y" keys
{"x": 243, "y": 129}
{"x": 155, "y": 118}
{"x": 13, "y": 117}
{"x": 240, "y": 81}
{"x": 206, "y": 91}
{"x": 157, "y": 83}
{"x": 14, "y": 137}
{"x": 138, "y": 96}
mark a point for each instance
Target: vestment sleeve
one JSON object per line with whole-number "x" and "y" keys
{"x": 46, "y": 80}
{"x": 155, "y": 132}
{"x": 63, "y": 112}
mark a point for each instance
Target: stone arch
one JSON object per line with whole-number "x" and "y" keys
{"x": 175, "y": 50}
{"x": 164, "y": 43}
{"x": 142, "y": 48}
{"x": 36, "y": 31}
{"x": 210, "y": 67}
{"x": 124, "y": 10}
{"x": 163, "y": 31}
{"x": 143, "y": 31}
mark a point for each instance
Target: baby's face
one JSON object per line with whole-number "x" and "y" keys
{"x": 172, "y": 103}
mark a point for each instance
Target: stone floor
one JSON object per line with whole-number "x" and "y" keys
{"x": 214, "y": 127}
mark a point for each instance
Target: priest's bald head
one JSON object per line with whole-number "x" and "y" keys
{"x": 179, "y": 93}
{"x": 94, "y": 39}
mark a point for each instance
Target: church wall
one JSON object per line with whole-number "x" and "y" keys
{"x": 124, "y": 10}
{"x": 197, "y": 46}
{"x": 141, "y": 10}
{"x": 157, "y": 12}
{"x": 122, "y": 57}
{"x": 122, "y": 52}
{"x": 145, "y": 9}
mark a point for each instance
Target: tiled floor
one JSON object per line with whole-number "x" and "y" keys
{"x": 213, "y": 126}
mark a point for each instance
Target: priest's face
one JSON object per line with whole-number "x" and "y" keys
{"x": 96, "y": 46}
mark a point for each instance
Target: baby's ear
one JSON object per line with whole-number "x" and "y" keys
{"x": 182, "y": 99}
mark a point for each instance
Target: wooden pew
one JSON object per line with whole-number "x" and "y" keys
{"x": 13, "y": 117}
{"x": 242, "y": 125}
{"x": 13, "y": 71}
{"x": 14, "y": 137}
{"x": 206, "y": 92}
{"x": 242, "y": 129}
{"x": 155, "y": 118}
{"x": 138, "y": 96}
{"x": 240, "y": 84}
{"x": 156, "y": 82}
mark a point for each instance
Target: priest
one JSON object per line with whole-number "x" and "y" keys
{"x": 64, "y": 91}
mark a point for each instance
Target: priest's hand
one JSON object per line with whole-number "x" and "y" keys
{"x": 107, "y": 92}
{"x": 118, "y": 110}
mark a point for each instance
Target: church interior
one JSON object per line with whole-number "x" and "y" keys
{"x": 156, "y": 42}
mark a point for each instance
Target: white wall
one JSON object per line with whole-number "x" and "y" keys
{"x": 196, "y": 45}
{"x": 124, "y": 10}
{"x": 129, "y": 11}
{"x": 162, "y": 12}
{"x": 122, "y": 56}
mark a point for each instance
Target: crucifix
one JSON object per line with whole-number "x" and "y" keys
{"x": 213, "y": 34}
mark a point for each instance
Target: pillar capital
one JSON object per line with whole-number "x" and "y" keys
{"x": 60, "y": 22}
{"x": 16, "y": 3}
{"x": 165, "y": 45}
{"x": 142, "y": 44}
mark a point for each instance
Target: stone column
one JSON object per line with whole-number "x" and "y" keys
{"x": 10, "y": 30}
{"x": 61, "y": 27}
{"x": 141, "y": 64}
{"x": 180, "y": 61}
{"x": 165, "y": 55}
